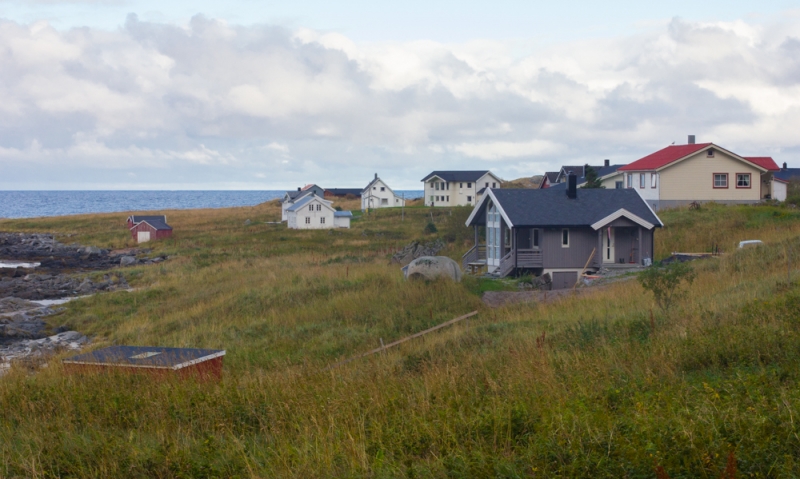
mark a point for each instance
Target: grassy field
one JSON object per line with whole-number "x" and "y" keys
{"x": 597, "y": 385}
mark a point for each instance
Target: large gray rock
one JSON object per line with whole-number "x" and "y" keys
{"x": 432, "y": 267}
{"x": 127, "y": 260}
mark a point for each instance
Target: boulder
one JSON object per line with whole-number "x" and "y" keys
{"x": 432, "y": 267}
{"x": 127, "y": 260}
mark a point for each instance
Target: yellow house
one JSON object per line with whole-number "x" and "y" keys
{"x": 701, "y": 172}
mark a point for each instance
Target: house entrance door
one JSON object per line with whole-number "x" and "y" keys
{"x": 494, "y": 243}
{"x": 608, "y": 245}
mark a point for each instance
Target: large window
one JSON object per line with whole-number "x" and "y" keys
{"x": 565, "y": 238}
{"x": 322, "y": 220}
{"x": 720, "y": 180}
{"x": 308, "y": 220}
{"x": 653, "y": 180}
{"x": 743, "y": 180}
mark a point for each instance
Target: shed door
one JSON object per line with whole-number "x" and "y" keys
{"x": 142, "y": 236}
{"x": 565, "y": 280}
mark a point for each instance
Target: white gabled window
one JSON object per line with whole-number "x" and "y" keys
{"x": 322, "y": 220}
{"x": 565, "y": 238}
{"x": 308, "y": 220}
{"x": 310, "y": 207}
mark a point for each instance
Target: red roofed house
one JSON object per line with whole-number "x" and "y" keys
{"x": 680, "y": 174}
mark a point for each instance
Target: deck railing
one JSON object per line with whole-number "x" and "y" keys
{"x": 529, "y": 259}
{"x": 507, "y": 264}
{"x": 475, "y": 254}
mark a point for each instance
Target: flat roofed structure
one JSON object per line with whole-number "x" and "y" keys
{"x": 151, "y": 359}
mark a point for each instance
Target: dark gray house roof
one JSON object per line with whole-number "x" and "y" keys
{"x": 344, "y": 191}
{"x": 139, "y": 218}
{"x": 551, "y": 207}
{"x": 601, "y": 172}
{"x": 787, "y": 173}
{"x": 158, "y": 224}
{"x": 453, "y": 176}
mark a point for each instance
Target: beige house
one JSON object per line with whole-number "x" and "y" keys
{"x": 457, "y": 188}
{"x": 702, "y": 172}
{"x": 377, "y": 194}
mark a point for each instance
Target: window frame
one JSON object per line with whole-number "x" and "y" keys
{"x": 308, "y": 220}
{"x": 749, "y": 181}
{"x": 629, "y": 180}
{"x": 714, "y": 181}
{"x": 618, "y": 185}
{"x": 565, "y": 235}
{"x": 653, "y": 180}
{"x": 642, "y": 180}
{"x": 322, "y": 220}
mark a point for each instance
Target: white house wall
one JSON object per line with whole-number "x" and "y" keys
{"x": 778, "y": 191}
{"x": 457, "y": 193}
{"x": 380, "y": 195}
{"x": 297, "y": 219}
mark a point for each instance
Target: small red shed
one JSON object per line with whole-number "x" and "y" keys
{"x": 146, "y": 228}
{"x": 183, "y": 362}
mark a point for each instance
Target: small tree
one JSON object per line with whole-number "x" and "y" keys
{"x": 666, "y": 283}
{"x": 592, "y": 181}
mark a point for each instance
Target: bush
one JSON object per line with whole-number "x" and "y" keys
{"x": 430, "y": 228}
{"x": 665, "y": 282}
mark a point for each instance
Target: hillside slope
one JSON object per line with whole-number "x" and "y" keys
{"x": 598, "y": 385}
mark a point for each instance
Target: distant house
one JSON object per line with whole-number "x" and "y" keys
{"x": 555, "y": 230}
{"x": 457, "y": 188}
{"x": 681, "y": 174}
{"x": 780, "y": 182}
{"x": 146, "y": 228}
{"x": 609, "y": 175}
{"x": 312, "y": 212}
{"x": 377, "y": 194}
{"x": 342, "y": 192}
{"x": 293, "y": 196}
{"x": 548, "y": 179}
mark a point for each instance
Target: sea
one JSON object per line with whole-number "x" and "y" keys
{"x": 33, "y": 204}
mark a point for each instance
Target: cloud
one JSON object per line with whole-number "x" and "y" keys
{"x": 212, "y": 100}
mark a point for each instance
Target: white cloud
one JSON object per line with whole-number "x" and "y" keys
{"x": 212, "y": 97}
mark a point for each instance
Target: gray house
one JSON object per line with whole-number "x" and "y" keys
{"x": 555, "y": 230}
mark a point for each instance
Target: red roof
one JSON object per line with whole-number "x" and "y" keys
{"x": 764, "y": 162}
{"x": 664, "y": 157}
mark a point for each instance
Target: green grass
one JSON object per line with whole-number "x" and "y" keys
{"x": 596, "y": 385}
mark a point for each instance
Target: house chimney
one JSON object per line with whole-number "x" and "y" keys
{"x": 298, "y": 188}
{"x": 572, "y": 183}
{"x": 606, "y": 163}
{"x": 784, "y": 165}
{"x": 376, "y": 176}
{"x": 691, "y": 139}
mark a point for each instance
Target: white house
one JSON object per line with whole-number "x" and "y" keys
{"x": 377, "y": 194}
{"x": 313, "y": 212}
{"x": 457, "y": 188}
{"x": 291, "y": 197}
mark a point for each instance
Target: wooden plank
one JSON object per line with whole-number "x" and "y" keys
{"x": 403, "y": 340}
{"x": 584, "y": 268}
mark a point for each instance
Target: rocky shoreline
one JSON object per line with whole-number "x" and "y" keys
{"x": 25, "y": 335}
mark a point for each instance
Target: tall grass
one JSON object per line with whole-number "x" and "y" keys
{"x": 595, "y": 385}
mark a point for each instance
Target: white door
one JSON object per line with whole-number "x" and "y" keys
{"x": 608, "y": 243}
{"x": 493, "y": 241}
{"x": 142, "y": 236}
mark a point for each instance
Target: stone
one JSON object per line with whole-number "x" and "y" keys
{"x": 127, "y": 260}
{"x": 90, "y": 250}
{"x": 432, "y": 267}
{"x": 247, "y": 222}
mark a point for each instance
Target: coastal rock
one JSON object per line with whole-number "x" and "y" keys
{"x": 127, "y": 260}
{"x": 432, "y": 267}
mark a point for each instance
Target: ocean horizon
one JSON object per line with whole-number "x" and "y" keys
{"x": 35, "y": 204}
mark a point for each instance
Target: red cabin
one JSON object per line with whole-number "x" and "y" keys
{"x": 147, "y": 228}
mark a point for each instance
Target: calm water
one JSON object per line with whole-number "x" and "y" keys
{"x": 31, "y": 204}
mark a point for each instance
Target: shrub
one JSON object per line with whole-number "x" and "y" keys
{"x": 430, "y": 228}
{"x": 665, "y": 283}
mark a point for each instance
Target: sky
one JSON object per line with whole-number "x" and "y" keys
{"x": 244, "y": 94}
